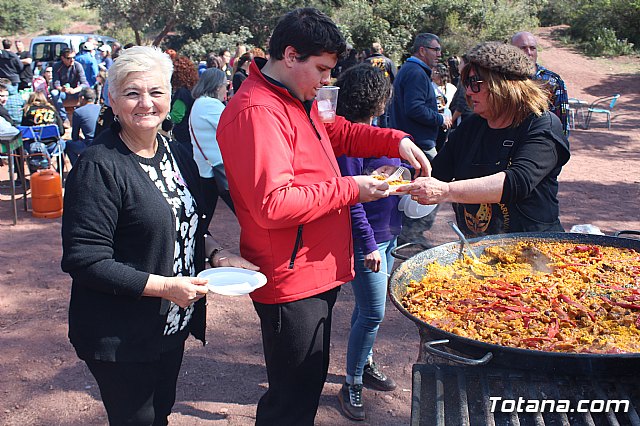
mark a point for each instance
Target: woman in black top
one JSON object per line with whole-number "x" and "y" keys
{"x": 39, "y": 112}
{"x": 242, "y": 71}
{"x": 133, "y": 242}
{"x": 500, "y": 168}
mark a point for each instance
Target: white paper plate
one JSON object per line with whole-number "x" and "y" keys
{"x": 398, "y": 189}
{"x": 415, "y": 210}
{"x": 233, "y": 281}
{"x": 403, "y": 202}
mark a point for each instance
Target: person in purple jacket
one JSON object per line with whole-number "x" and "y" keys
{"x": 364, "y": 92}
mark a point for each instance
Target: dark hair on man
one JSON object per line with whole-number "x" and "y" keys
{"x": 453, "y": 63}
{"x": 6, "y": 44}
{"x": 214, "y": 61}
{"x": 89, "y": 94}
{"x": 65, "y": 52}
{"x": 364, "y": 92}
{"x": 423, "y": 40}
{"x": 5, "y": 83}
{"x": 443, "y": 71}
{"x": 244, "y": 58}
{"x": 309, "y": 31}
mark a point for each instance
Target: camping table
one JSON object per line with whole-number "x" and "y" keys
{"x": 9, "y": 145}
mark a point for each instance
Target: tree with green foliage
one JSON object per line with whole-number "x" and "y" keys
{"x": 19, "y": 15}
{"x": 157, "y": 17}
{"x": 601, "y": 27}
{"x": 198, "y": 26}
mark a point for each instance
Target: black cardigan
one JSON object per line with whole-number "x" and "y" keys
{"x": 117, "y": 228}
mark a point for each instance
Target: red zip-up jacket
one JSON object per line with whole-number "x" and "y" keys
{"x": 291, "y": 201}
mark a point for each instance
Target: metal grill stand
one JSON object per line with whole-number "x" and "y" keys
{"x": 447, "y": 394}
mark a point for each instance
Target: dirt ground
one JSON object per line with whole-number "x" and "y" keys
{"x": 42, "y": 382}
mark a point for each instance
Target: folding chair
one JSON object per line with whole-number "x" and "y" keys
{"x": 601, "y": 106}
{"x": 48, "y": 131}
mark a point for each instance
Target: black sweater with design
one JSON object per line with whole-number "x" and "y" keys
{"x": 117, "y": 228}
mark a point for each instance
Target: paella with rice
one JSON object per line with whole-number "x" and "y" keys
{"x": 548, "y": 296}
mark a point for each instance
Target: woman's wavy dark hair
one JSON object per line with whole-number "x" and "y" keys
{"x": 364, "y": 92}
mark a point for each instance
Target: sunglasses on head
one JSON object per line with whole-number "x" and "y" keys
{"x": 473, "y": 82}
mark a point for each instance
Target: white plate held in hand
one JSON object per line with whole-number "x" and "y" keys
{"x": 233, "y": 281}
{"x": 415, "y": 210}
{"x": 403, "y": 202}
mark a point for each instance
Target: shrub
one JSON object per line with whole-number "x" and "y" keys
{"x": 605, "y": 43}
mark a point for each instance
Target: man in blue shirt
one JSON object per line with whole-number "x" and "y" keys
{"x": 85, "y": 118}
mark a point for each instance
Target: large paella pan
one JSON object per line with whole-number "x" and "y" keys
{"x": 527, "y": 352}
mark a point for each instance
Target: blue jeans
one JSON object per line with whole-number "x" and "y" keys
{"x": 58, "y": 98}
{"x": 370, "y": 291}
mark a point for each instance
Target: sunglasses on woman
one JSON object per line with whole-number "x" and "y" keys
{"x": 473, "y": 82}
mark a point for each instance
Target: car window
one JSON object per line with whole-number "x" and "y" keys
{"x": 46, "y": 52}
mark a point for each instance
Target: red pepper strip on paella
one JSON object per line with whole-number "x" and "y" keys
{"x": 554, "y": 328}
{"x": 577, "y": 305}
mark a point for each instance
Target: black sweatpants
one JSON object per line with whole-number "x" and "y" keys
{"x": 295, "y": 339}
{"x": 138, "y": 393}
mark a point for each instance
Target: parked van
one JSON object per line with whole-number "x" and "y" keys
{"x": 46, "y": 49}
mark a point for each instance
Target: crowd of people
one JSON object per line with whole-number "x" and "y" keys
{"x": 486, "y": 132}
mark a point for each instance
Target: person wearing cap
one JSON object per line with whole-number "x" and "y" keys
{"x": 559, "y": 99}
{"x": 84, "y": 120}
{"x": 87, "y": 59}
{"x": 500, "y": 168}
{"x": 105, "y": 57}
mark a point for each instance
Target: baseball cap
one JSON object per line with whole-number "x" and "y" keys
{"x": 105, "y": 48}
{"x": 87, "y": 46}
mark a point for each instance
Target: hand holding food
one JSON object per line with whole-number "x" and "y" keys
{"x": 428, "y": 190}
{"x": 371, "y": 188}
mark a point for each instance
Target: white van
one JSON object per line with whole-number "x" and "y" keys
{"x": 46, "y": 49}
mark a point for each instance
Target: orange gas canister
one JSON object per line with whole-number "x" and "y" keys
{"x": 46, "y": 194}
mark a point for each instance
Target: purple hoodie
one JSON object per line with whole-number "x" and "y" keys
{"x": 376, "y": 221}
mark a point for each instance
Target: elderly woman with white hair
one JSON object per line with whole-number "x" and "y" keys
{"x": 133, "y": 242}
{"x": 209, "y": 93}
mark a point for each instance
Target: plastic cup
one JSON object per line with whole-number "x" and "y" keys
{"x": 327, "y": 99}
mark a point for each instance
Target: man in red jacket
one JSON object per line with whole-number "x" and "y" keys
{"x": 293, "y": 205}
